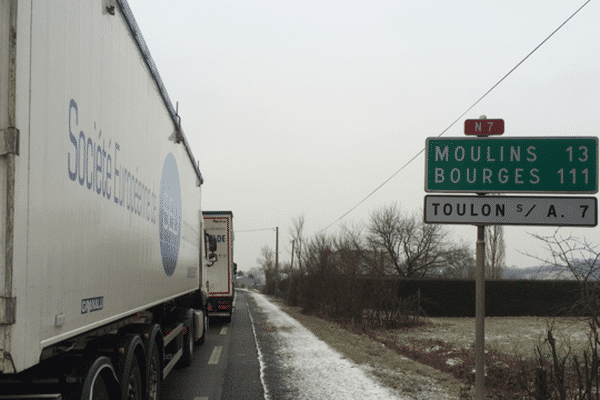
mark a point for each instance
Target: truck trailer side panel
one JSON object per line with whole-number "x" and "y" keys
{"x": 106, "y": 192}
{"x": 8, "y": 110}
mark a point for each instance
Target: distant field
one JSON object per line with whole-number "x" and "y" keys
{"x": 504, "y": 334}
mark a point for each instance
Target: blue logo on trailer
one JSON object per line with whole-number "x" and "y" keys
{"x": 169, "y": 214}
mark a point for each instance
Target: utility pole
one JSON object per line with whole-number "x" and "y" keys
{"x": 276, "y": 248}
{"x": 291, "y": 275}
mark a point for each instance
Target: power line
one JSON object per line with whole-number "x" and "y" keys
{"x": 457, "y": 119}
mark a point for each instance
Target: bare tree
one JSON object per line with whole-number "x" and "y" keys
{"x": 494, "y": 251}
{"x": 411, "y": 247}
{"x": 386, "y": 234}
{"x": 348, "y": 248}
{"x": 570, "y": 254}
{"x": 297, "y": 236}
{"x": 267, "y": 260}
{"x": 582, "y": 259}
{"x": 269, "y": 268}
{"x": 425, "y": 247}
{"x": 460, "y": 263}
{"x": 368, "y": 257}
{"x": 320, "y": 274}
{"x": 319, "y": 256}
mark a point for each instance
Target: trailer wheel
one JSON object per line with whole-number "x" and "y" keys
{"x": 154, "y": 372}
{"x": 100, "y": 381}
{"x": 131, "y": 388}
{"x": 130, "y": 375}
{"x": 152, "y": 337}
{"x": 187, "y": 317}
{"x": 99, "y": 391}
{"x": 204, "y": 328}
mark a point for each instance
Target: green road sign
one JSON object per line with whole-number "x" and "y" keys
{"x": 512, "y": 165}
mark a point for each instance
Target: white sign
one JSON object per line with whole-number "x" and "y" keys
{"x": 511, "y": 210}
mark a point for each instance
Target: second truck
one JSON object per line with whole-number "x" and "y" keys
{"x": 219, "y": 274}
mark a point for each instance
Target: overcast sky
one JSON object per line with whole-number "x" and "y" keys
{"x": 305, "y": 107}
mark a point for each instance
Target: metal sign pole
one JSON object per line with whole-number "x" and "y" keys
{"x": 480, "y": 315}
{"x": 480, "y": 309}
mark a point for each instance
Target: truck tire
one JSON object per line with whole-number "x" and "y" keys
{"x": 186, "y": 316}
{"x": 152, "y": 336}
{"x": 99, "y": 391}
{"x": 131, "y": 387}
{"x": 129, "y": 372}
{"x": 154, "y": 372}
{"x": 204, "y": 327}
{"x": 100, "y": 381}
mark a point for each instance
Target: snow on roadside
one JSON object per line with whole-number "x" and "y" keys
{"x": 318, "y": 371}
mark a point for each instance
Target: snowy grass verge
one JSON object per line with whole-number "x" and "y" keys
{"x": 320, "y": 371}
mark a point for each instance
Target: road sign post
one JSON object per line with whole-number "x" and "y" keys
{"x": 480, "y": 314}
{"x": 566, "y": 165}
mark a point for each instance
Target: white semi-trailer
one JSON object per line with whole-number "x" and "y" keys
{"x": 100, "y": 218}
{"x": 219, "y": 273}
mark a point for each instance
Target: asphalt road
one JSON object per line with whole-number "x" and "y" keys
{"x": 226, "y": 366}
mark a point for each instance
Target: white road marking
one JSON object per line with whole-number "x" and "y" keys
{"x": 200, "y": 398}
{"x": 224, "y": 330}
{"x": 215, "y": 355}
